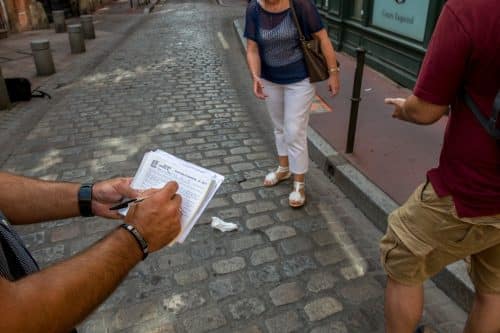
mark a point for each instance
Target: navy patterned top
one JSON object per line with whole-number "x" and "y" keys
{"x": 277, "y": 37}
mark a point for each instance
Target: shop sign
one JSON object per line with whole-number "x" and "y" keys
{"x": 404, "y": 17}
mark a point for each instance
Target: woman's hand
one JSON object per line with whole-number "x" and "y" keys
{"x": 334, "y": 84}
{"x": 258, "y": 88}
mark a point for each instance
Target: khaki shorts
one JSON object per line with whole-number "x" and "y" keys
{"x": 425, "y": 235}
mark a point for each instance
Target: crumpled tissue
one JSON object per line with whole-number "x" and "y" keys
{"x": 223, "y": 226}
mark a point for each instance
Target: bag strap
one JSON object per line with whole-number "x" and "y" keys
{"x": 489, "y": 124}
{"x": 296, "y": 20}
{"x": 39, "y": 94}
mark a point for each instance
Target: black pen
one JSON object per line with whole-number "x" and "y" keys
{"x": 126, "y": 203}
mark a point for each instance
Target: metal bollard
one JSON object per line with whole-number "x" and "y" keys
{"x": 355, "y": 99}
{"x": 43, "y": 57}
{"x": 88, "y": 26}
{"x": 76, "y": 41}
{"x": 4, "y": 95}
{"x": 59, "y": 20}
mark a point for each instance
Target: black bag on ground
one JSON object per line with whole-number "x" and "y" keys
{"x": 19, "y": 90}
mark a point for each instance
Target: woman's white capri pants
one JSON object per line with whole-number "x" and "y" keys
{"x": 289, "y": 106}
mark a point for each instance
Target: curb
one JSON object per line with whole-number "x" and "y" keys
{"x": 374, "y": 203}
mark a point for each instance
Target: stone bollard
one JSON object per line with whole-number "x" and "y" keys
{"x": 43, "y": 57}
{"x": 4, "y": 95}
{"x": 76, "y": 41}
{"x": 59, "y": 20}
{"x": 88, "y": 26}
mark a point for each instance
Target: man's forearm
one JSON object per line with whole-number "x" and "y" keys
{"x": 26, "y": 200}
{"x": 58, "y": 298}
{"x": 418, "y": 111}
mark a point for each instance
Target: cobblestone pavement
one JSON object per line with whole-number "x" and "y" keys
{"x": 169, "y": 86}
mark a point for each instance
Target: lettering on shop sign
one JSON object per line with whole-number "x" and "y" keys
{"x": 400, "y": 18}
{"x": 407, "y": 18}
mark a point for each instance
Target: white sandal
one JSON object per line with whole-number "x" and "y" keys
{"x": 272, "y": 177}
{"x": 296, "y": 198}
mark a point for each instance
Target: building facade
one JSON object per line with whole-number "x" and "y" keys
{"x": 395, "y": 33}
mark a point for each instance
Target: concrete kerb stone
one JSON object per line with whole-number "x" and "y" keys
{"x": 374, "y": 203}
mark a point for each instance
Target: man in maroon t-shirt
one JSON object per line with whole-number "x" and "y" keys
{"x": 456, "y": 213}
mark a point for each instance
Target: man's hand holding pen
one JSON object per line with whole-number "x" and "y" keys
{"x": 158, "y": 215}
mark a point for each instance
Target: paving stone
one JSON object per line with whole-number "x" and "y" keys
{"x": 330, "y": 256}
{"x": 264, "y": 274}
{"x": 38, "y": 238}
{"x": 230, "y": 265}
{"x": 190, "y": 276}
{"x": 61, "y": 234}
{"x": 264, "y": 255}
{"x": 250, "y": 184}
{"x": 229, "y": 213}
{"x": 259, "y": 222}
{"x": 284, "y": 322}
{"x": 286, "y": 293}
{"x": 217, "y": 203}
{"x": 251, "y": 329}
{"x": 361, "y": 290}
{"x": 134, "y": 314}
{"x": 237, "y": 167}
{"x": 207, "y": 249}
{"x": 243, "y": 197}
{"x": 297, "y": 265}
{"x": 204, "y": 321}
{"x": 246, "y": 242}
{"x": 321, "y": 281}
{"x": 185, "y": 301}
{"x": 335, "y": 327}
{"x": 225, "y": 286}
{"x": 295, "y": 245}
{"x": 260, "y": 206}
{"x": 323, "y": 238}
{"x": 174, "y": 260}
{"x": 246, "y": 308}
{"x": 289, "y": 215}
{"x": 322, "y": 308}
{"x": 280, "y": 232}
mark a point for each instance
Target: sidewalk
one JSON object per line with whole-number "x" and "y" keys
{"x": 390, "y": 157}
{"x": 113, "y": 23}
{"x": 110, "y": 21}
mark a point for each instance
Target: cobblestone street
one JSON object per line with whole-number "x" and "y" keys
{"x": 179, "y": 83}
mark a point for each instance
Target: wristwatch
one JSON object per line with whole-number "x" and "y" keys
{"x": 85, "y": 200}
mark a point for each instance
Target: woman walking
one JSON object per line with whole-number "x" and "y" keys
{"x": 280, "y": 78}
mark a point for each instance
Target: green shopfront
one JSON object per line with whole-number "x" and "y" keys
{"x": 395, "y": 33}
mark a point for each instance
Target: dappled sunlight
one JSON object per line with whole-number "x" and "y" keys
{"x": 358, "y": 265}
{"x": 119, "y": 74}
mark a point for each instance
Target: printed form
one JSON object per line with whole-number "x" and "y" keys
{"x": 197, "y": 185}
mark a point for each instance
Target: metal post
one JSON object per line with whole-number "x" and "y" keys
{"x": 76, "y": 41}
{"x": 59, "y": 20}
{"x": 88, "y": 26}
{"x": 42, "y": 57}
{"x": 4, "y": 95}
{"x": 355, "y": 99}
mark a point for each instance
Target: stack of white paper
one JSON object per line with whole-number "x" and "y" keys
{"x": 197, "y": 185}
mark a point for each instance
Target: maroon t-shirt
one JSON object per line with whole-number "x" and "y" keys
{"x": 465, "y": 53}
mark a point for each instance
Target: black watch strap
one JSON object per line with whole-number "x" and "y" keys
{"x": 138, "y": 237}
{"x": 85, "y": 200}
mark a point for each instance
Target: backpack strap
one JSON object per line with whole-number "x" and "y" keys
{"x": 489, "y": 124}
